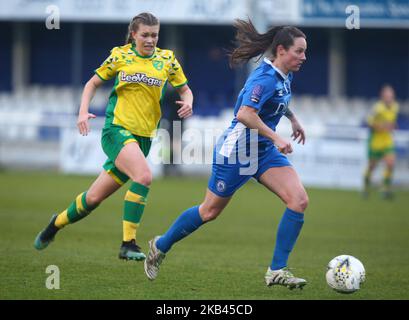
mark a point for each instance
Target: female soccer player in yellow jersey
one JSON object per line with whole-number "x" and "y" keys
{"x": 141, "y": 72}
{"x": 382, "y": 122}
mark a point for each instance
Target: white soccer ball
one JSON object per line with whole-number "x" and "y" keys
{"x": 345, "y": 273}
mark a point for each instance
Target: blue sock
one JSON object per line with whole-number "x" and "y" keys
{"x": 287, "y": 234}
{"x": 184, "y": 225}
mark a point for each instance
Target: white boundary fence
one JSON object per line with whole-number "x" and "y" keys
{"x": 333, "y": 157}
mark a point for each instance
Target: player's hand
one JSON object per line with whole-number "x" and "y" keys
{"x": 298, "y": 132}
{"x": 389, "y": 127}
{"x": 185, "y": 110}
{"x": 283, "y": 145}
{"x": 82, "y": 123}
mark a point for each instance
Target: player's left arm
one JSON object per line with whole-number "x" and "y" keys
{"x": 298, "y": 130}
{"x": 390, "y": 127}
{"x": 185, "y": 102}
{"x": 394, "y": 125}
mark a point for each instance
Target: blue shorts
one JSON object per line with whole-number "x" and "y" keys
{"x": 227, "y": 178}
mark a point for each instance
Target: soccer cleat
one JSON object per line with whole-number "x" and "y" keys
{"x": 47, "y": 235}
{"x": 365, "y": 194}
{"x": 154, "y": 259}
{"x": 387, "y": 195}
{"x": 283, "y": 277}
{"x": 131, "y": 251}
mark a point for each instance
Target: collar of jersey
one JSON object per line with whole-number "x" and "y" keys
{"x": 282, "y": 74}
{"x": 133, "y": 48}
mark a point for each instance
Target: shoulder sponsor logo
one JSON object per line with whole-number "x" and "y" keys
{"x": 256, "y": 93}
{"x": 140, "y": 78}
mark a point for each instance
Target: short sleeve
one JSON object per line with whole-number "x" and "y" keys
{"x": 372, "y": 117}
{"x": 258, "y": 91}
{"x": 176, "y": 76}
{"x": 109, "y": 67}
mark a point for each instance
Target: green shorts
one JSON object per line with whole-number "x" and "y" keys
{"x": 379, "y": 153}
{"x": 113, "y": 139}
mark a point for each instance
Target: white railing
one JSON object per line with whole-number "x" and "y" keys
{"x": 334, "y": 156}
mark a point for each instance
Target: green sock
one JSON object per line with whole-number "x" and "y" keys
{"x": 76, "y": 211}
{"x": 367, "y": 179}
{"x": 387, "y": 179}
{"x": 135, "y": 201}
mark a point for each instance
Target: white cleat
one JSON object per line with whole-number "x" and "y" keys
{"x": 284, "y": 278}
{"x": 154, "y": 259}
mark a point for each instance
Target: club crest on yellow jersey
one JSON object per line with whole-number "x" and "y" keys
{"x": 157, "y": 64}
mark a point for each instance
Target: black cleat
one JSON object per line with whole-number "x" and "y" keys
{"x": 44, "y": 238}
{"x": 388, "y": 195}
{"x": 131, "y": 251}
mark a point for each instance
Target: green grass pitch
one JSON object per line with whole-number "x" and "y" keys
{"x": 225, "y": 259}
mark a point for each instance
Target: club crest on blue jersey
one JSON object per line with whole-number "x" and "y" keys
{"x": 256, "y": 93}
{"x": 221, "y": 186}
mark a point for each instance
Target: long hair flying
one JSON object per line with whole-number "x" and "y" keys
{"x": 251, "y": 43}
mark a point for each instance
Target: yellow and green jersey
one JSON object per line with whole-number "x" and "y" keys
{"x": 140, "y": 84}
{"x": 382, "y": 114}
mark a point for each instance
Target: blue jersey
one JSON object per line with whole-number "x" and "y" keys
{"x": 268, "y": 91}
{"x": 235, "y": 160}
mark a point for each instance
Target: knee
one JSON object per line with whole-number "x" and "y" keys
{"x": 303, "y": 202}
{"x": 299, "y": 202}
{"x": 144, "y": 178}
{"x": 390, "y": 165}
{"x": 209, "y": 213}
{"x": 93, "y": 199}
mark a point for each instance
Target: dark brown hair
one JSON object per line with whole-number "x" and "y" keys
{"x": 145, "y": 18}
{"x": 252, "y": 44}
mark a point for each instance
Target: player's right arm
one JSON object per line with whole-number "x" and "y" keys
{"x": 371, "y": 122}
{"x": 256, "y": 93}
{"x": 249, "y": 117}
{"x": 375, "y": 121}
{"x": 106, "y": 71}
{"x": 87, "y": 95}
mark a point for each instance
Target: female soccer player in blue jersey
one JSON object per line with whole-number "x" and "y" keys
{"x": 260, "y": 105}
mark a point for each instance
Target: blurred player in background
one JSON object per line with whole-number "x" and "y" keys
{"x": 382, "y": 122}
{"x": 141, "y": 72}
{"x": 260, "y": 105}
